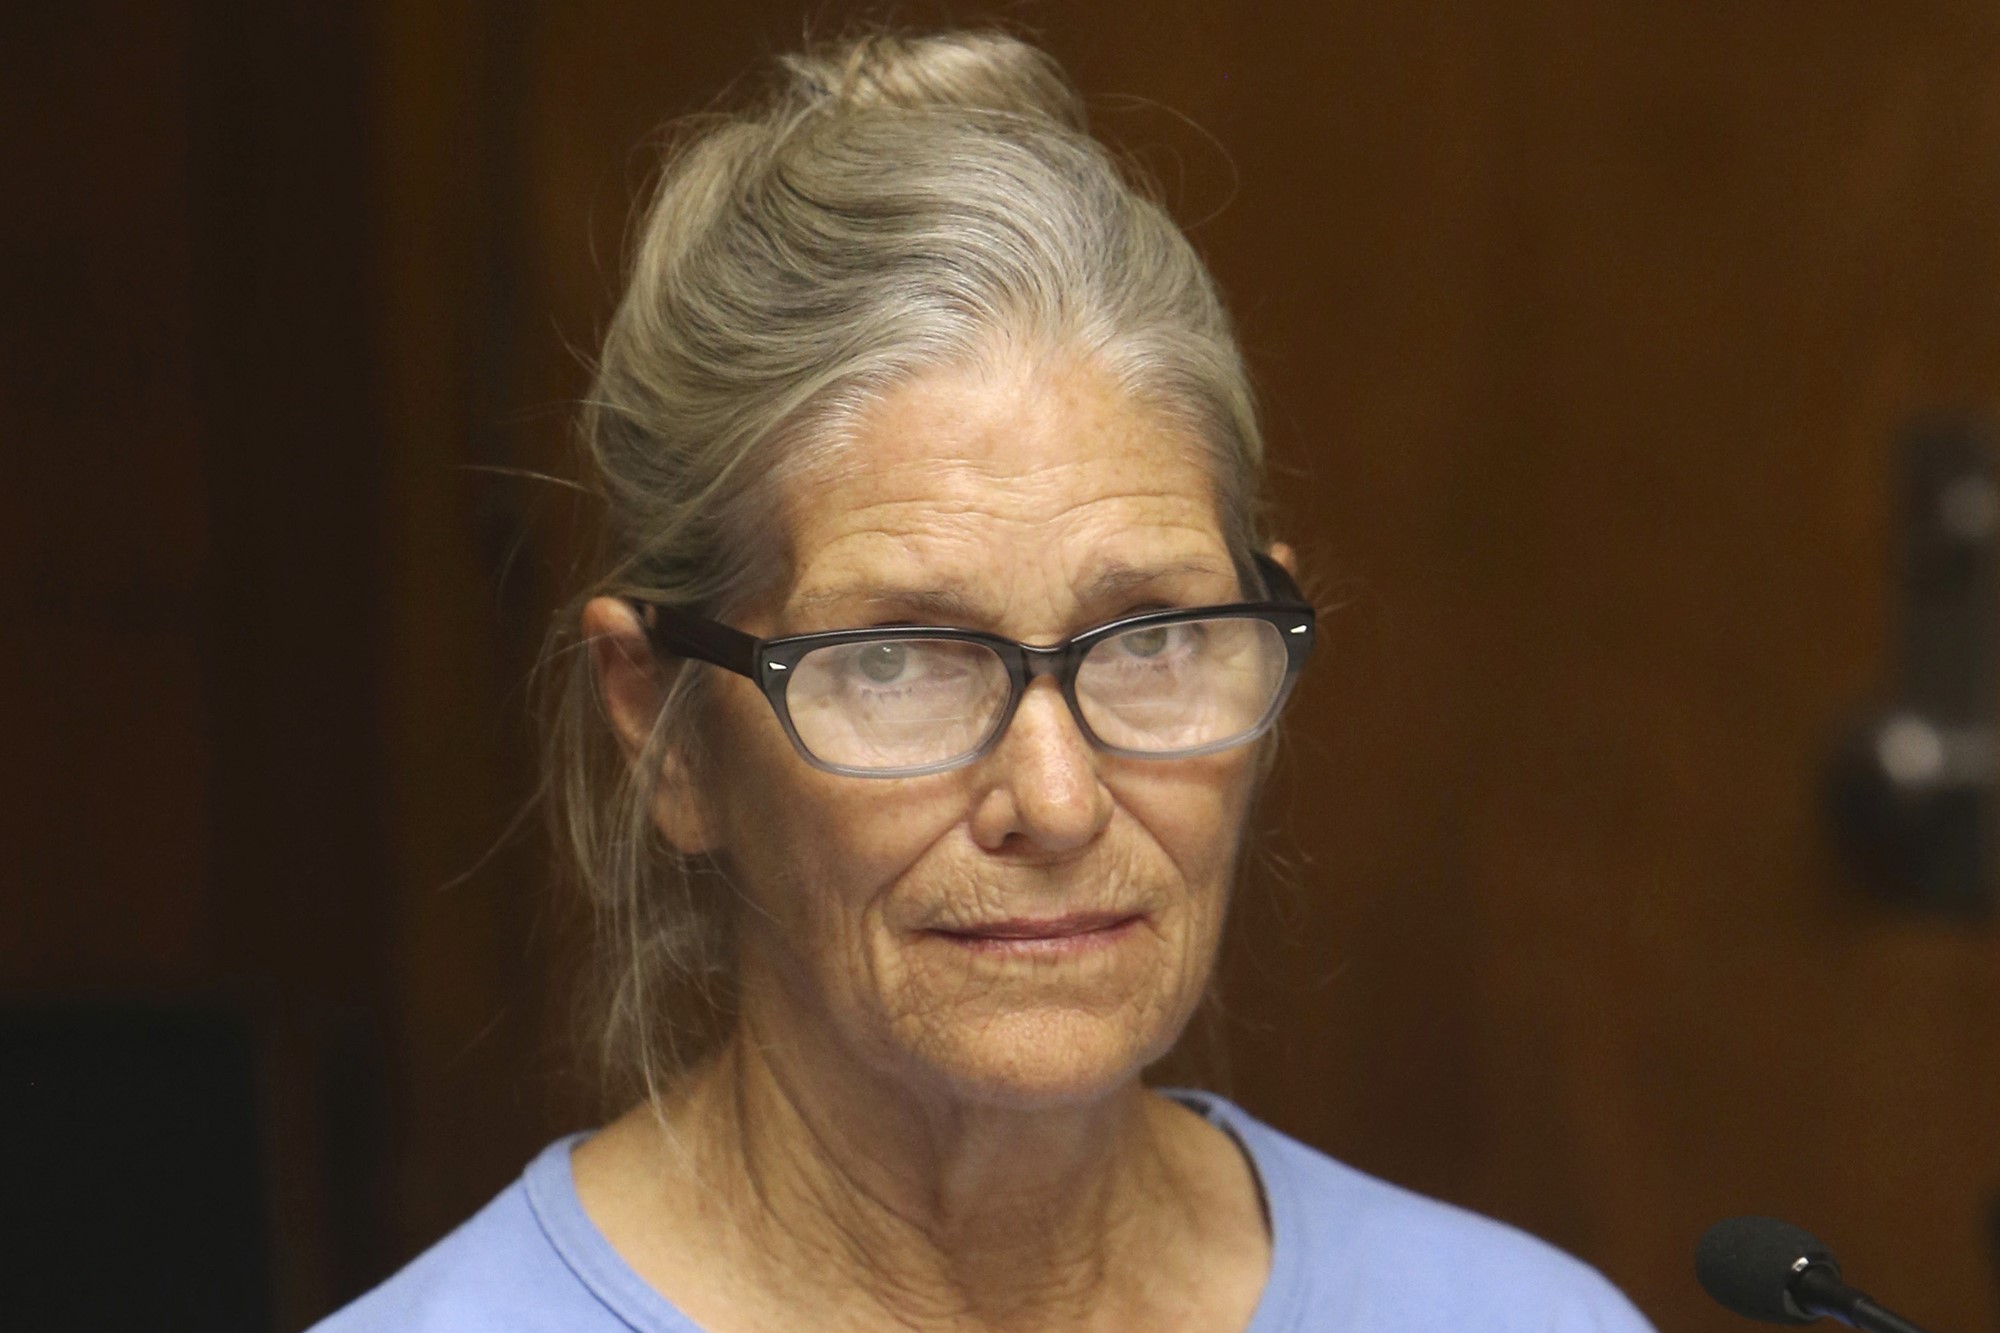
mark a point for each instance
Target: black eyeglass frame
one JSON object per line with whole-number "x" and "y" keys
{"x": 769, "y": 662}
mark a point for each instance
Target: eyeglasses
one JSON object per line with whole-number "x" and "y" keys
{"x": 900, "y": 701}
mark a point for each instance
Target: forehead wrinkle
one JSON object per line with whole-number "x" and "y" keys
{"x": 950, "y": 600}
{"x": 918, "y": 545}
{"x": 910, "y": 519}
{"x": 1035, "y": 496}
{"x": 945, "y": 603}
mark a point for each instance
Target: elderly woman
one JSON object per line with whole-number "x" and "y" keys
{"x": 925, "y": 699}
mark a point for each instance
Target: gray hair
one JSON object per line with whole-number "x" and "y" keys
{"x": 894, "y": 204}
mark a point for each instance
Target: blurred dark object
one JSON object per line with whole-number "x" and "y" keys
{"x": 1913, "y": 788}
{"x": 134, "y": 1197}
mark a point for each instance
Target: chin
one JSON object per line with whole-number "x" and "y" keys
{"x": 1043, "y": 1059}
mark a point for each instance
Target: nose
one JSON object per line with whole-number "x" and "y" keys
{"x": 1042, "y": 792}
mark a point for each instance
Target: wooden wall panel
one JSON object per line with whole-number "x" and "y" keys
{"x": 481, "y": 1073}
{"x": 190, "y": 578}
{"x": 102, "y": 511}
{"x": 286, "y": 311}
{"x": 1696, "y": 272}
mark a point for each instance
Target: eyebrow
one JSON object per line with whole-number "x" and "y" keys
{"x": 948, "y": 603}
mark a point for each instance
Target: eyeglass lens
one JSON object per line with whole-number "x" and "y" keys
{"x": 893, "y": 703}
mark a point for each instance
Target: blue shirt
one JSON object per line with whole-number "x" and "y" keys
{"x": 1349, "y": 1254}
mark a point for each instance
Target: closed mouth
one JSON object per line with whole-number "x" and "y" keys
{"x": 1041, "y": 928}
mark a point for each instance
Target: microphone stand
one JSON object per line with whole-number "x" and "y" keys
{"x": 1819, "y": 1292}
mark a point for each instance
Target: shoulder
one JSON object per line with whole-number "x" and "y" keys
{"x": 499, "y": 1272}
{"x": 1352, "y": 1251}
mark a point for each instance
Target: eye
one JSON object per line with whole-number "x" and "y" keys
{"x": 882, "y": 663}
{"x": 1146, "y": 642}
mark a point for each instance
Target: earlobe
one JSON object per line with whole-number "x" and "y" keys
{"x": 634, "y": 688}
{"x": 679, "y": 812}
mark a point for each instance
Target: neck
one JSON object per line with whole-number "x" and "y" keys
{"x": 934, "y": 1212}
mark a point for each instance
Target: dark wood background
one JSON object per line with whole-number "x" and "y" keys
{"x": 1585, "y": 330}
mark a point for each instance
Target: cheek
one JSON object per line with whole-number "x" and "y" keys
{"x": 811, "y": 851}
{"x": 1191, "y": 816}
{"x": 1194, "y": 812}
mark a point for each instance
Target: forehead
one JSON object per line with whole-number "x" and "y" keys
{"x": 1016, "y": 484}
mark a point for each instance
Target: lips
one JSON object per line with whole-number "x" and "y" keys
{"x": 1041, "y": 933}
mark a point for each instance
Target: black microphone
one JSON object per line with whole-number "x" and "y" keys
{"x": 1765, "y": 1269}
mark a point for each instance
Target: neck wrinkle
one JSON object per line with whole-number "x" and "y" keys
{"x": 923, "y": 1236}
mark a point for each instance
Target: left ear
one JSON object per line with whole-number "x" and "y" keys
{"x": 1286, "y": 557}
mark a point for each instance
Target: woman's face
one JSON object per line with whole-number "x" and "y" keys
{"x": 927, "y": 927}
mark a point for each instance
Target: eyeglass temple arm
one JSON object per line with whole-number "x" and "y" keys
{"x": 700, "y": 638}
{"x": 1279, "y": 585}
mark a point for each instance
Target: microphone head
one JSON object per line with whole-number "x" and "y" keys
{"x": 1747, "y": 1264}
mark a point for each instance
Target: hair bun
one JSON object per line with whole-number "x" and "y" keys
{"x": 978, "y": 70}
